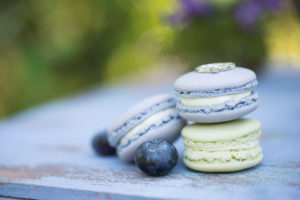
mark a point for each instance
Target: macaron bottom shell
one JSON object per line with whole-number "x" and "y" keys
{"x": 230, "y": 166}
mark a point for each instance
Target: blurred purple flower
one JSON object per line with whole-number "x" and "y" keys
{"x": 246, "y": 12}
{"x": 272, "y": 4}
{"x": 196, "y": 7}
{"x": 191, "y": 9}
{"x": 249, "y": 12}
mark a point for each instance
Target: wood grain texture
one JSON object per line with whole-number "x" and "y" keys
{"x": 45, "y": 152}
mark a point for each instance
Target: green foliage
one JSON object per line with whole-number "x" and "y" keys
{"x": 52, "y": 48}
{"x": 218, "y": 38}
{"x": 49, "y": 49}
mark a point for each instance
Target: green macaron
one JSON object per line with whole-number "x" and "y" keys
{"x": 223, "y": 147}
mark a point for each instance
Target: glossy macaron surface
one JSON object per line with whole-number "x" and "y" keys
{"x": 195, "y": 84}
{"x": 220, "y": 131}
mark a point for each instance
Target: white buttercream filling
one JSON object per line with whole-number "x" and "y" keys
{"x": 146, "y": 123}
{"x": 205, "y": 101}
{"x": 222, "y": 156}
{"x": 232, "y": 147}
{"x": 247, "y": 139}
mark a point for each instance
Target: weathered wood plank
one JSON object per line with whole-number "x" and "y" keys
{"x": 45, "y": 152}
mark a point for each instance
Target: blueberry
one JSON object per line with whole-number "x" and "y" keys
{"x": 156, "y": 157}
{"x": 101, "y": 145}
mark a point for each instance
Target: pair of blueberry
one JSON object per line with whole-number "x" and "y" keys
{"x": 155, "y": 157}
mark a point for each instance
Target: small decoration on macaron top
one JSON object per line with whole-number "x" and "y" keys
{"x": 215, "y": 67}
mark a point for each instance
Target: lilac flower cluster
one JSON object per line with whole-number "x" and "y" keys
{"x": 191, "y": 9}
{"x": 246, "y": 12}
{"x": 250, "y": 11}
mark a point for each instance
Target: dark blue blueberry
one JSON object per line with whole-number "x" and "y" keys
{"x": 101, "y": 145}
{"x": 156, "y": 157}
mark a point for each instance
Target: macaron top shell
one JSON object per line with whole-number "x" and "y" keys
{"x": 138, "y": 113}
{"x": 195, "y": 84}
{"x": 221, "y": 131}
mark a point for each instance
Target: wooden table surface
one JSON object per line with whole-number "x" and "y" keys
{"x": 45, "y": 152}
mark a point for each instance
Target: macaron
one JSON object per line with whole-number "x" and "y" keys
{"x": 216, "y": 92}
{"x": 222, "y": 147}
{"x": 153, "y": 118}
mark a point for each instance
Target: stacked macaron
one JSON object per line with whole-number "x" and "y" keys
{"x": 215, "y": 96}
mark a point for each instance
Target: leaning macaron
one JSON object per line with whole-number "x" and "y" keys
{"x": 216, "y": 92}
{"x": 223, "y": 147}
{"x": 153, "y": 118}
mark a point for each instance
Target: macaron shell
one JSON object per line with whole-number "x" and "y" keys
{"x": 221, "y": 131}
{"x": 223, "y": 116}
{"x": 195, "y": 81}
{"x": 169, "y": 132}
{"x": 231, "y": 166}
{"x": 138, "y": 108}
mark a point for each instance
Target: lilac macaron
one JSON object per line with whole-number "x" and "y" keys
{"x": 153, "y": 118}
{"x": 216, "y": 92}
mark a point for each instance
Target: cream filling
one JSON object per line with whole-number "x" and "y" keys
{"x": 146, "y": 123}
{"x": 231, "y": 148}
{"x": 206, "y": 101}
{"x": 222, "y": 156}
{"x": 245, "y": 139}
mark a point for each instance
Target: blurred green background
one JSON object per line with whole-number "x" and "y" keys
{"x": 50, "y": 49}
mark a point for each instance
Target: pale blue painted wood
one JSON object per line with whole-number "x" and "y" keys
{"x": 7, "y": 198}
{"x": 45, "y": 152}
